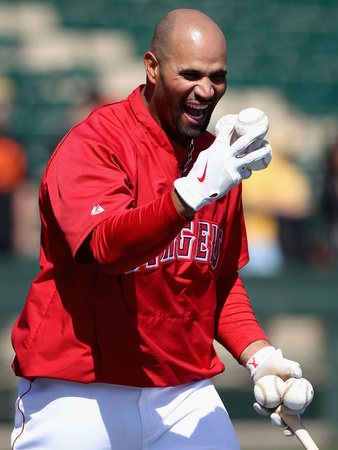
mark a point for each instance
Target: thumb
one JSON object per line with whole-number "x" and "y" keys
{"x": 291, "y": 369}
{"x": 295, "y": 371}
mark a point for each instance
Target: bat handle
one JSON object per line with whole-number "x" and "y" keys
{"x": 296, "y": 425}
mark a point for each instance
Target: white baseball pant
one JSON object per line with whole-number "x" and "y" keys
{"x": 55, "y": 414}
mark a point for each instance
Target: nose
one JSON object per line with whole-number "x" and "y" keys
{"x": 204, "y": 89}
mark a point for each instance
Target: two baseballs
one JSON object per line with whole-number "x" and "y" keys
{"x": 298, "y": 393}
{"x": 295, "y": 393}
{"x": 246, "y": 120}
{"x": 268, "y": 391}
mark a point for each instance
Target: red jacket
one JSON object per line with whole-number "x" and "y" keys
{"x": 147, "y": 310}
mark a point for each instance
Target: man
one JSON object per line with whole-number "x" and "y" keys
{"x": 142, "y": 238}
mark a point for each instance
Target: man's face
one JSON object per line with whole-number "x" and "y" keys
{"x": 189, "y": 84}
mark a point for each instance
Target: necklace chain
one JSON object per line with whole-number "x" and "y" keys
{"x": 191, "y": 150}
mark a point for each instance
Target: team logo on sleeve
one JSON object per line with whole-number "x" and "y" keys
{"x": 97, "y": 210}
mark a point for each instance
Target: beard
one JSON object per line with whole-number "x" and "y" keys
{"x": 188, "y": 130}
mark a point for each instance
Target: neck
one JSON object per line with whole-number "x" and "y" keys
{"x": 146, "y": 95}
{"x": 184, "y": 144}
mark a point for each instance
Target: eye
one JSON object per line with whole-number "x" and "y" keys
{"x": 219, "y": 77}
{"x": 190, "y": 75}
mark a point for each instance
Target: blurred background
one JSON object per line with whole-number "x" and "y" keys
{"x": 59, "y": 59}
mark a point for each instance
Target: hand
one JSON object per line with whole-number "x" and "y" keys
{"x": 220, "y": 167}
{"x": 270, "y": 361}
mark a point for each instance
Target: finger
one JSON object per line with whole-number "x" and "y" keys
{"x": 245, "y": 173}
{"x": 225, "y": 126}
{"x": 288, "y": 432}
{"x": 244, "y": 141}
{"x": 254, "y": 146}
{"x": 295, "y": 372}
{"x": 277, "y": 421}
{"x": 262, "y": 410}
{"x": 257, "y": 154}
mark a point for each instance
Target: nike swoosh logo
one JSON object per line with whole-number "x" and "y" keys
{"x": 202, "y": 178}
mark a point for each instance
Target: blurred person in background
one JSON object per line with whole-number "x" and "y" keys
{"x": 329, "y": 199}
{"x": 276, "y": 203}
{"x": 92, "y": 100}
{"x": 12, "y": 169}
{"x": 324, "y": 254}
{"x": 141, "y": 242}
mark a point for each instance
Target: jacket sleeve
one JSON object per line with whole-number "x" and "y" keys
{"x": 236, "y": 324}
{"x": 127, "y": 240}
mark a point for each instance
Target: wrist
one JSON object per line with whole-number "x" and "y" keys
{"x": 259, "y": 358}
{"x": 182, "y": 207}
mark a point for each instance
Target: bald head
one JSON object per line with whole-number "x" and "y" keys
{"x": 180, "y": 25}
{"x": 186, "y": 73}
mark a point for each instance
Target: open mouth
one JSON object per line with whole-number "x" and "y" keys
{"x": 195, "y": 112}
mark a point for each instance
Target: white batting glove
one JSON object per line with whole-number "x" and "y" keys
{"x": 220, "y": 167}
{"x": 270, "y": 361}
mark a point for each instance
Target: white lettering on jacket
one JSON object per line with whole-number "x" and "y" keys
{"x": 199, "y": 241}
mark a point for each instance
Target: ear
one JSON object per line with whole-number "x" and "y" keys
{"x": 152, "y": 66}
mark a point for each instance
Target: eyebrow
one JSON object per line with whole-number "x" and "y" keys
{"x": 195, "y": 71}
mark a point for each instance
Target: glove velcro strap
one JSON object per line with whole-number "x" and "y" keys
{"x": 192, "y": 197}
{"x": 258, "y": 358}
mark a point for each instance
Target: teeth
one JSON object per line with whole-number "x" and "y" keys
{"x": 199, "y": 116}
{"x": 197, "y": 108}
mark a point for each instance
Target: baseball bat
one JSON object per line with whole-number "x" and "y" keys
{"x": 297, "y": 427}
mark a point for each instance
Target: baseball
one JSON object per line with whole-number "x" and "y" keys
{"x": 249, "y": 118}
{"x": 268, "y": 391}
{"x": 298, "y": 393}
{"x": 246, "y": 120}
